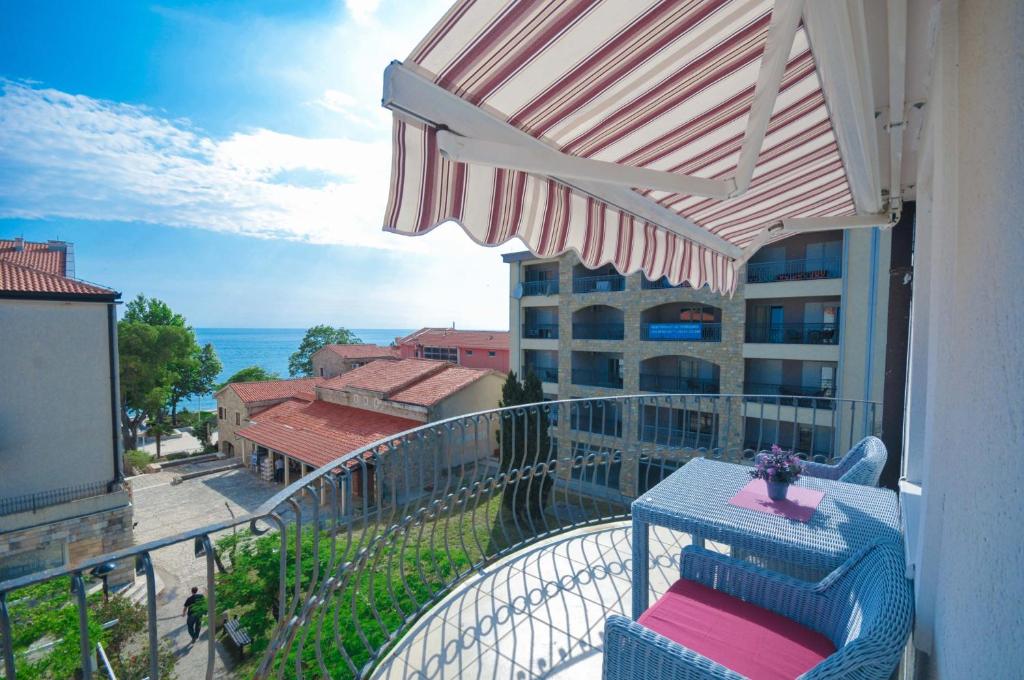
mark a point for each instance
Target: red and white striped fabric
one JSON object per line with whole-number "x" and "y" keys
{"x": 665, "y": 85}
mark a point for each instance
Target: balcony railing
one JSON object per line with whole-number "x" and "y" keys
{"x": 341, "y": 564}
{"x": 795, "y": 270}
{"x": 607, "y": 283}
{"x": 683, "y": 331}
{"x": 791, "y": 395}
{"x": 592, "y": 378}
{"x": 598, "y": 331}
{"x": 541, "y": 287}
{"x": 675, "y": 436}
{"x": 795, "y": 333}
{"x": 543, "y": 373}
{"x": 674, "y": 384}
{"x": 44, "y": 499}
{"x": 540, "y": 331}
{"x": 660, "y": 284}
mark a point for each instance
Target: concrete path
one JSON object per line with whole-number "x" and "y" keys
{"x": 163, "y": 509}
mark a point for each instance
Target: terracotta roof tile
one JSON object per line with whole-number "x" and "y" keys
{"x": 439, "y": 386}
{"x": 451, "y": 337}
{"x": 318, "y": 432}
{"x": 16, "y": 278}
{"x": 269, "y": 390}
{"x": 36, "y": 255}
{"x": 361, "y": 351}
{"x": 387, "y": 376}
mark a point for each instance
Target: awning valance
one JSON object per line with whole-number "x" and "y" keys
{"x": 656, "y": 136}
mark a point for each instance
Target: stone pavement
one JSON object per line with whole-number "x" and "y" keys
{"x": 163, "y": 509}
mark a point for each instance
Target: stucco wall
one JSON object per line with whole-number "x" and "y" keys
{"x": 968, "y": 419}
{"x": 56, "y": 426}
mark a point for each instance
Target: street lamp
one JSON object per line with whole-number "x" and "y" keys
{"x": 102, "y": 571}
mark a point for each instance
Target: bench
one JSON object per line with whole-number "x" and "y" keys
{"x": 239, "y": 636}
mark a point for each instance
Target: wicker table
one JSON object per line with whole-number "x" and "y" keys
{"x": 695, "y": 499}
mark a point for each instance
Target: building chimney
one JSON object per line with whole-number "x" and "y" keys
{"x": 19, "y": 244}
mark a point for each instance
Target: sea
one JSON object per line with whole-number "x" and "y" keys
{"x": 268, "y": 348}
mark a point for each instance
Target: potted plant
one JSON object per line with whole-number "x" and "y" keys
{"x": 778, "y": 469}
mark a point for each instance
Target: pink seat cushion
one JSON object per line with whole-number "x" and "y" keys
{"x": 743, "y": 637}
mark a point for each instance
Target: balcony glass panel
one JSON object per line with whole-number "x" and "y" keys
{"x": 674, "y": 384}
{"x": 607, "y": 283}
{"x": 598, "y": 331}
{"x": 540, "y": 331}
{"x": 595, "y": 378}
{"x": 541, "y": 287}
{"x": 795, "y": 333}
{"x": 543, "y": 373}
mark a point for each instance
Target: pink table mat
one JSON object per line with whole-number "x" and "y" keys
{"x": 800, "y": 502}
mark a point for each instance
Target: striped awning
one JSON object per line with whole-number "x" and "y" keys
{"x": 671, "y": 86}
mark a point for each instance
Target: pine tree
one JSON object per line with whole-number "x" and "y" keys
{"x": 525, "y": 445}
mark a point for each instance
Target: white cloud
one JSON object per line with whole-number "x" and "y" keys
{"x": 354, "y": 110}
{"x": 362, "y": 11}
{"x": 63, "y": 155}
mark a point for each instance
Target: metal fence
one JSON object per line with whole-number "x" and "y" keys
{"x": 795, "y": 270}
{"x": 675, "y": 384}
{"x": 360, "y": 549}
{"x": 544, "y": 373}
{"x": 662, "y": 283}
{"x": 596, "y": 378}
{"x": 44, "y": 499}
{"x": 541, "y": 287}
{"x": 598, "y": 331}
{"x": 795, "y": 333}
{"x": 606, "y": 283}
{"x": 545, "y": 331}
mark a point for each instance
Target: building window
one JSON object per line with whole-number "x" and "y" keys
{"x": 450, "y": 354}
{"x": 491, "y": 354}
{"x": 321, "y": 371}
{"x": 220, "y": 413}
{"x": 469, "y": 352}
{"x": 238, "y": 418}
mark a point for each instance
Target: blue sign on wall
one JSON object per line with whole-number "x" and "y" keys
{"x": 688, "y": 330}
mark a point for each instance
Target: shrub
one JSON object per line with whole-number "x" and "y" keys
{"x": 137, "y": 460}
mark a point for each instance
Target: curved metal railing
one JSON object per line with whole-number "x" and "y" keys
{"x": 343, "y": 561}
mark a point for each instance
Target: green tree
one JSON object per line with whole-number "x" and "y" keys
{"x": 525, "y": 444}
{"x": 152, "y": 312}
{"x": 301, "y": 363}
{"x": 195, "y": 377}
{"x": 250, "y": 374}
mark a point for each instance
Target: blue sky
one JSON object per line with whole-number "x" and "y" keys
{"x": 229, "y": 157}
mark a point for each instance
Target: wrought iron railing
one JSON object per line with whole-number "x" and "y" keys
{"x": 682, "y": 331}
{"x": 340, "y": 564}
{"x": 791, "y": 395}
{"x": 795, "y": 333}
{"x": 675, "y": 384}
{"x": 541, "y": 287}
{"x": 795, "y": 270}
{"x": 598, "y": 331}
{"x": 595, "y": 378}
{"x": 45, "y": 499}
{"x": 606, "y": 283}
{"x": 540, "y": 331}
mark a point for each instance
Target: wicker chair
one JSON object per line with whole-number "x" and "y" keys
{"x": 861, "y": 465}
{"x": 864, "y": 608}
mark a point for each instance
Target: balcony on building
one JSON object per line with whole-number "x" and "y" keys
{"x": 598, "y": 322}
{"x": 799, "y": 258}
{"x": 791, "y": 382}
{"x": 597, "y": 369}
{"x": 806, "y": 438}
{"x": 677, "y": 374}
{"x": 540, "y": 279}
{"x": 602, "y": 280}
{"x": 660, "y": 284}
{"x": 540, "y": 323}
{"x": 793, "y": 321}
{"x": 543, "y": 363}
{"x": 681, "y": 322}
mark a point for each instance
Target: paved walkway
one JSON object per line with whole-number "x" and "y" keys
{"x": 163, "y": 509}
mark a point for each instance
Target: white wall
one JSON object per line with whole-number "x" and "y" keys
{"x": 966, "y": 412}
{"x": 55, "y": 396}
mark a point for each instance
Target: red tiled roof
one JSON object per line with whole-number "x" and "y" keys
{"x": 35, "y": 255}
{"x": 16, "y": 278}
{"x": 318, "y": 432}
{"x": 423, "y": 382}
{"x": 361, "y": 351}
{"x": 269, "y": 390}
{"x": 387, "y": 376}
{"x": 439, "y": 386}
{"x": 450, "y": 337}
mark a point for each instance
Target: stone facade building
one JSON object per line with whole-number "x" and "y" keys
{"x": 62, "y": 492}
{"x": 333, "y": 360}
{"x": 238, "y": 402}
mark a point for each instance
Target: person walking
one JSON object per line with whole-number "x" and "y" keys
{"x": 193, "y": 610}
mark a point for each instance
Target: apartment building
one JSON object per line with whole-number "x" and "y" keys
{"x": 473, "y": 349}
{"x": 807, "y": 320}
{"x": 62, "y": 492}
